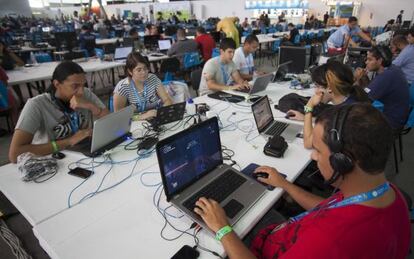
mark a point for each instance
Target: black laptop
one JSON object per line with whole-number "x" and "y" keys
{"x": 168, "y": 114}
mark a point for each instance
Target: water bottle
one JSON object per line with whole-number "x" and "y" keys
{"x": 190, "y": 107}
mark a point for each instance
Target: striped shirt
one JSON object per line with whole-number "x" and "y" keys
{"x": 152, "y": 101}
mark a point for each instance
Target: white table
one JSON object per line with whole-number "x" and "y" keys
{"x": 122, "y": 222}
{"x": 33, "y": 49}
{"x": 108, "y": 41}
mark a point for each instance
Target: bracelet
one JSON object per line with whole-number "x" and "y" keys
{"x": 55, "y": 146}
{"x": 135, "y": 117}
{"x": 222, "y": 232}
{"x": 307, "y": 109}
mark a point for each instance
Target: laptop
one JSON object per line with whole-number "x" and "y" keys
{"x": 164, "y": 45}
{"x": 121, "y": 54}
{"x": 260, "y": 84}
{"x": 168, "y": 114}
{"x": 191, "y": 166}
{"x": 268, "y": 126}
{"x": 108, "y": 132}
{"x": 281, "y": 72}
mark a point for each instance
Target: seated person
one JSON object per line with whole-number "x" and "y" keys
{"x": 243, "y": 57}
{"x": 366, "y": 218}
{"x": 334, "y": 83}
{"x": 8, "y": 60}
{"x": 183, "y": 45}
{"x": 404, "y": 60}
{"x": 87, "y": 40}
{"x": 389, "y": 86}
{"x": 133, "y": 33}
{"x": 218, "y": 72}
{"x": 410, "y": 36}
{"x": 59, "y": 118}
{"x": 342, "y": 37}
{"x": 205, "y": 42}
{"x": 290, "y": 39}
{"x": 140, "y": 88}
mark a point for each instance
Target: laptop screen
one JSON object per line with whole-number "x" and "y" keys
{"x": 188, "y": 155}
{"x": 164, "y": 44}
{"x": 122, "y": 53}
{"x": 262, "y": 113}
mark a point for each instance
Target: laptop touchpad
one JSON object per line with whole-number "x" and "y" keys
{"x": 232, "y": 208}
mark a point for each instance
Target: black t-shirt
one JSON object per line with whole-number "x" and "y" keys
{"x": 293, "y": 34}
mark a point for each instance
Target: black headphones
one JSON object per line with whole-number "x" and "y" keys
{"x": 59, "y": 103}
{"x": 341, "y": 163}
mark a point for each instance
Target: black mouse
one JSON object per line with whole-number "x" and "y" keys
{"x": 261, "y": 174}
{"x": 289, "y": 114}
{"x": 58, "y": 155}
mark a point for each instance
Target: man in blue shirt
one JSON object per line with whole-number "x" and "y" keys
{"x": 389, "y": 86}
{"x": 405, "y": 60}
{"x": 87, "y": 40}
{"x": 341, "y": 38}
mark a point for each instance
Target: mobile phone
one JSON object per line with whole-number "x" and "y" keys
{"x": 80, "y": 172}
{"x": 186, "y": 252}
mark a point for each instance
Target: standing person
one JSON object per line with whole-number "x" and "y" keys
{"x": 227, "y": 25}
{"x": 140, "y": 88}
{"x": 205, "y": 42}
{"x": 76, "y": 21}
{"x": 326, "y": 18}
{"x": 368, "y": 216}
{"x": 399, "y": 18}
{"x": 59, "y": 118}
{"x": 219, "y": 72}
{"x": 342, "y": 37}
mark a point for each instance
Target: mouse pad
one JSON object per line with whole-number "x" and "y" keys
{"x": 249, "y": 171}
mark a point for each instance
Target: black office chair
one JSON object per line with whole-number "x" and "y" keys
{"x": 195, "y": 77}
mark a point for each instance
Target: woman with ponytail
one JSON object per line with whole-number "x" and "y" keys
{"x": 334, "y": 83}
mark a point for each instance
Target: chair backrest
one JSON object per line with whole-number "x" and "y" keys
{"x": 276, "y": 45}
{"x": 170, "y": 65}
{"x": 410, "y": 120}
{"x": 43, "y": 57}
{"x": 196, "y": 79}
{"x": 215, "y": 53}
{"x": 297, "y": 39}
{"x": 191, "y": 59}
{"x": 4, "y": 100}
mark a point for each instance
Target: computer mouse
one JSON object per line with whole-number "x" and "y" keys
{"x": 289, "y": 114}
{"x": 58, "y": 155}
{"x": 261, "y": 174}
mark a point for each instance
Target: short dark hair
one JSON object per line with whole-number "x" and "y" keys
{"x": 352, "y": 19}
{"x": 366, "y": 135}
{"x": 201, "y": 30}
{"x": 399, "y": 39}
{"x": 66, "y": 69}
{"x": 251, "y": 38}
{"x": 291, "y": 25}
{"x": 132, "y": 31}
{"x": 384, "y": 53}
{"x": 132, "y": 61}
{"x": 227, "y": 43}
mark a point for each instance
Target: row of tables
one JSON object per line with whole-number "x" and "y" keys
{"x": 123, "y": 222}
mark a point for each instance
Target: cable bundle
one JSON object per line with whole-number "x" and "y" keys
{"x": 37, "y": 169}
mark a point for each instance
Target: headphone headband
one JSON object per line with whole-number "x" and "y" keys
{"x": 336, "y": 143}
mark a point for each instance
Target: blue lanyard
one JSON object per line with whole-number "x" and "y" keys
{"x": 74, "y": 121}
{"x": 141, "y": 102}
{"x": 359, "y": 198}
{"x": 225, "y": 75}
{"x": 250, "y": 65}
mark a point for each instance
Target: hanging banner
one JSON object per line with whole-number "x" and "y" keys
{"x": 277, "y": 4}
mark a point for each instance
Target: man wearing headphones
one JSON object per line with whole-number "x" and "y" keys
{"x": 389, "y": 86}
{"x": 60, "y": 118}
{"x": 366, "y": 218}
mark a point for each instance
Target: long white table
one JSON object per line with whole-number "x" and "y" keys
{"x": 108, "y": 41}
{"x": 123, "y": 222}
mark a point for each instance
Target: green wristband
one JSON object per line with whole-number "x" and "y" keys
{"x": 55, "y": 146}
{"x": 307, "y": 109}
{"x": 222, "y": 232}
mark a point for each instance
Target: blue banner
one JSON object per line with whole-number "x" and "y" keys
{"x": 277, "y": 4}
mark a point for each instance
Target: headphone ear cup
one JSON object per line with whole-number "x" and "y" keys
{"x": 341, "y": 163}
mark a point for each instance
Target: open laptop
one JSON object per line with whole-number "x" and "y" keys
{"x": 260, "y": 84}
{"x": 191, "y": 166}
{"x": 268, "y": 126}
{"x": 164, "y": 45}
{"x": 168, "y": 114}
{"x": 108, "y": 132}
{"x": 281, "y": 71}
{"x": 121, "y": 54}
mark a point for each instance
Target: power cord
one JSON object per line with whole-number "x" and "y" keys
{"x": 37, "y": 169}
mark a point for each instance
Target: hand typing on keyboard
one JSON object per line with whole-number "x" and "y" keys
{"x": 243, "y": 86}
{"x": 212, "y": 213}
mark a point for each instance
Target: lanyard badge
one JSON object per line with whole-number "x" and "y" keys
{"x": 74, "y": 121}
{"x": 225, "y": 75}
{"x": 141, "y": 101}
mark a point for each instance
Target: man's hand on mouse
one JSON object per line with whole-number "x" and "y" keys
{"x": 274, "y": 177}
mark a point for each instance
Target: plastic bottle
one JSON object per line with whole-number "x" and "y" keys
{"x": 190, "y": 107}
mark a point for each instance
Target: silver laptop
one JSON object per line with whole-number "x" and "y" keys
{"x": 260, "y": 84}
{"x": 191, "y": 166}
{"x": 108, "y": 132}
{"x": 164, "y": 45}
{"x": 268, "y": 126}
{"x": 121, "y": 54}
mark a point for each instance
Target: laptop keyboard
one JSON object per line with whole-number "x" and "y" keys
{"x": 219, "y": 190}
{"x": 277, "y": 128}
{"x": 243, "y": 90}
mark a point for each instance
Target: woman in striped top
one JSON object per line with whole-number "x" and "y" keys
{"x": 140, "y": 88}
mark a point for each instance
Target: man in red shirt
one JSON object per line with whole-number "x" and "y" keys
{"x": 205, "y": 42}
{"x": 366, "y": 218}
